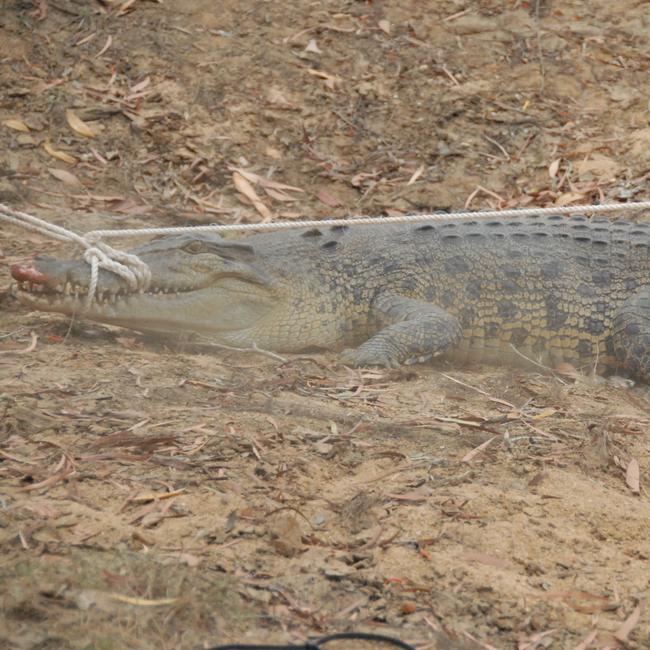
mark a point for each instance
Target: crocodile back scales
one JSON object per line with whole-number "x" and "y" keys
{"x": 545, "y": 288}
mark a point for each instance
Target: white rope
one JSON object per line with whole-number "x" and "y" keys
{"x": 361, "y": 220}
{"x": 137, "y": 274}
{"x": 97, "y": 254}
{"x": 128, "y": 266}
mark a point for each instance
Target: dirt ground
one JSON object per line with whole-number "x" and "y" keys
{"x": 155, "y": 496}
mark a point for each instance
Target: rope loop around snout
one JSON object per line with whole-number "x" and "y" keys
{"x": 96, "y": 253}
{"x": 126, "y": 265}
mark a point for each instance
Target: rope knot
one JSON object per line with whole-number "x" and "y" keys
{"x": 128, "y": 266}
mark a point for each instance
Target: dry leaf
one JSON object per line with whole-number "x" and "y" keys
{"x": 544, "y": 413}
{"x": 312, "y": 47}
{"x": 632, "y": 476}
{"x": 291, "y": 215}
{"x": 65, "y": 177}
{"x": 470, "y": 455}
{"x": 244, "y": 187}
{"x": 17, "y": 125}
{"x": 622, "y": 93}
{"x": 189, "y": 559}
{"x": 280, "y": 196}
{"x": 569, "y": 197}
{"x": 538, "y": 479}
{"x": 109, "y": 42}
{"x": 156, "y": 496}
{"x": 418, "y": 172}
{"x": 623, "y": 632}
{"x": 60, "y": 155}
{"x": 358, "y": 179}
{"x": 125, "y": 8}
{"x": 277, "y": 97}
{"x": 140, "y": 85}
{"x": 384, "y": 25}
{"x": 264, "y": 182}
{"x": 331, "y": 80}
{"x": 585, "y": 644}
{"x": 85, "y": 39}
{"x": 328, "y": 199}
{"x": 42, "y": 509}
{"x": 554, "y": 167}
{"x": 78, "y": 125}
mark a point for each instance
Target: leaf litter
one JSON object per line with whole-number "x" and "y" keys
{"x": 492, "y": 507}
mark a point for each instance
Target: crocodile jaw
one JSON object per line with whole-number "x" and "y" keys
{"x": 228, "y": 311}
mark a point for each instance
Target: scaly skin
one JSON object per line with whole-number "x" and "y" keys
{"x": 548, "y": 288}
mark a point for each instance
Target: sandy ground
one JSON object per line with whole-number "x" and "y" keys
{"x": 155, "y": 496}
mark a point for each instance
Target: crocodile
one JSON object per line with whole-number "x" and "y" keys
{"x": 548, "y": 289}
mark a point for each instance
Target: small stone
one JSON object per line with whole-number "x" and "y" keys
{"x": 286, "y": 535}
{"x": 408, "y": 607}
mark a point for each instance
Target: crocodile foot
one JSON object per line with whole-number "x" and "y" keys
{"x": 358, "y": 357}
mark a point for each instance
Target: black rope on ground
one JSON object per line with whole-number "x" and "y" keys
{"x": 317, "y": 644}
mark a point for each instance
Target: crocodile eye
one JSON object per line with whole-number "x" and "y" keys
{"x": 194, "y": 247}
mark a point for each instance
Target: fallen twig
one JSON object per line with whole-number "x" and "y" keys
{"x": 253, "y": 349}
{"x": 30, "y": 348}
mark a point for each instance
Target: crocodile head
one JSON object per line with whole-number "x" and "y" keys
{"x": 200, "y": 283}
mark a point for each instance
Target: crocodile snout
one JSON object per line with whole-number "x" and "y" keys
{"x": 28, "y": 273}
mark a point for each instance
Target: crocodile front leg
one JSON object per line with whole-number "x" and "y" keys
{"x": 631, "y": 336}
{"x": 411, "y": 330}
